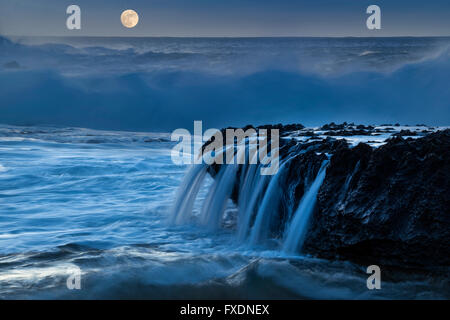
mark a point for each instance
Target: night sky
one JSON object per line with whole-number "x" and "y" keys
{"x": 227, "y": 18}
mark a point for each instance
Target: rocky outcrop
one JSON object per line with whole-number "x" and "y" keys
{"x": 389, "y": 204}
{"x": 377, "y": 205}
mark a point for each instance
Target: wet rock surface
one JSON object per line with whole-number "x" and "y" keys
{"x": 386, "y": 205}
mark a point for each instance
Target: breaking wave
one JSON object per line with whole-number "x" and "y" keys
{"x": 226, "y": 83}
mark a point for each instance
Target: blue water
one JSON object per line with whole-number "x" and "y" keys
{"x": 100, "y": 201}
{"x": 47, "y": 187}
{"x": 160, "y": 84}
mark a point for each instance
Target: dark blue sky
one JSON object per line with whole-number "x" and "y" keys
{"x": 228, "y": 18}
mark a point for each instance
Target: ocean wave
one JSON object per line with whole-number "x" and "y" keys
{"x": 42, "y": 134}
{"x": 165, "y": 100}
{"x": 146, "y": 272}
{"x": 367, "y": 52}
{"x": 89, "y": 56}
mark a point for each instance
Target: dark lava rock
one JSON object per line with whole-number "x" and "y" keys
{"x": 308, "y": 133}
{"x": 404, "y": 133}
{"x": 345, "y": 127}
{"x": 334, "y": 126}
{"x": 348, "y": 133}
{"x": 386, "y": 206}
{"x": 363, "y": 127}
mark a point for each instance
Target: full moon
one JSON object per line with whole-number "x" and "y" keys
{"x": 129, "y": 18}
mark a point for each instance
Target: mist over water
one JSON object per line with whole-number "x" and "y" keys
{"x": 142, "y": 83}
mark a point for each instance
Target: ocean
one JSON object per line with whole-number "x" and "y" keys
{"x": 100, "y": 202}
{"x": 87, "y": 185}
{"x": 160, "y": 84}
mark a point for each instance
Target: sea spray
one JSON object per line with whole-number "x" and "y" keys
{"x": 248, "y": 175}
{"x": 296, "y": 232}
{"x": 216, "y": 201}
{"x": 187, "y": 193}
{"x": 250, "y": 188}
{"x": 268, "y": 206}
{"x": 255, "y": 192}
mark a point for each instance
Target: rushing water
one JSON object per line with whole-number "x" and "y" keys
{"x": 102, "y": 202}
{"x": 296, "y": 232}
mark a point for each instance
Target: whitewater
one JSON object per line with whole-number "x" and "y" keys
{"x": 161, "y": 84}
{"x": 101, "y": 201}
{"x": 109, "y": 200}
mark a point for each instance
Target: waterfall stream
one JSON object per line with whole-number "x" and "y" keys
{"x": 268, "y": 206}
{"x": 258, "y": 200}
{"x": 295, "y": 234}
{"x": 187, "y": 193}
{"x": 216, "y": 201}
